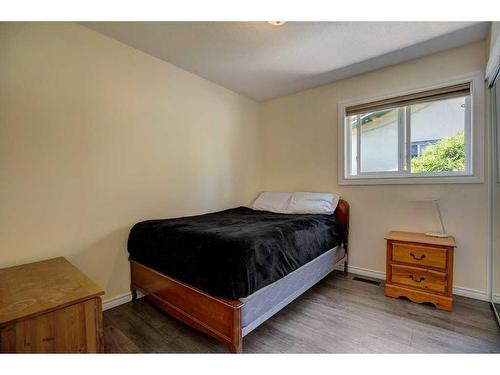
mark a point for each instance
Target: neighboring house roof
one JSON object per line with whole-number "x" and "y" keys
{"x": 376, "y": 120}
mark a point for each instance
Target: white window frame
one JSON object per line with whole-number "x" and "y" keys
{"x": 474, "y": 141}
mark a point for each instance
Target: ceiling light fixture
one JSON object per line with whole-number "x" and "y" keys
{"x": 276, "y": 23}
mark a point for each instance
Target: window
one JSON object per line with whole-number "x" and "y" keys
{"x": 417, "y": 147}
{"x": 422, "y": 136}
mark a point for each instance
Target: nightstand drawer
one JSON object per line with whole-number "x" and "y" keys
{"x": 423, "y": 256}
{"x": 419, "y": 278}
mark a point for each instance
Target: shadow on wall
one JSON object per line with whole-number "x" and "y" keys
{"x": 79, "y": 167}
{"x": 106, "y": 261}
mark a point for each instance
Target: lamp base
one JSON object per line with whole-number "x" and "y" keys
{"x": 437, "y": 234}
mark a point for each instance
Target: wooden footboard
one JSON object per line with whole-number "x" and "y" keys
{"x": 217, "y": 317}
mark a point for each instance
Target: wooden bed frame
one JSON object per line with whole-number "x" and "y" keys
{"x": 217, "y": 317}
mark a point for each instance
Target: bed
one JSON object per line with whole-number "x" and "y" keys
{"x": 227, "y": 272}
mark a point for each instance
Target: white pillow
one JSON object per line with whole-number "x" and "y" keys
{"x": 313, "y": 203}
{"x": 273, "y": 202}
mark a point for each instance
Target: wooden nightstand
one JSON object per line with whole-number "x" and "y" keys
{"x": 420, "y": 268}
{"x": 49, "y": 307}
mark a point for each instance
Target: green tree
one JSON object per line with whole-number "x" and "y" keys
{"x": 446, "y": 155}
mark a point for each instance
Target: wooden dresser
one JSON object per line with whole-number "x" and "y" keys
{"x": 420, "y": 268}
{"x": 49, "y": 307}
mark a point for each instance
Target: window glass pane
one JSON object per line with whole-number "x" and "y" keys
{"x": 379, "y": 141}
{"x": 353, "y": 126}
{"x": 437, "y": 136}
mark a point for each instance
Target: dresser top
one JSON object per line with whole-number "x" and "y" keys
{"x": 37, "y": 288}
{"x": 420, "y": 238}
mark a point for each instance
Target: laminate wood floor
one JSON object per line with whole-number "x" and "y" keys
{"x": 338, "y": 315}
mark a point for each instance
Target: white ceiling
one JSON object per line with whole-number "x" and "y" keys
{"x": 262, "y": 61}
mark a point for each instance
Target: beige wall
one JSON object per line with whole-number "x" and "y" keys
{"x": 95, "y": 136}
{"x": 494, "y": 34}
{"x": 299, "y": 146}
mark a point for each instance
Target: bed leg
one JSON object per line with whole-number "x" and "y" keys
{"x": 345, "y": 267}
{"x": 134, "y": 294}
{"x": 236, "y": 348}
{"x": 236, "y": 344}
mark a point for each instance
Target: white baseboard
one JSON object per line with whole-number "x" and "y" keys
{"x": 116, "y": 301}
{"x": 496, "y": 298}
{"x": 119, "y": 300}
{"x": 471, "y": 293}
{"x": 364, "y": 272}
{"x": 458, "y": 290}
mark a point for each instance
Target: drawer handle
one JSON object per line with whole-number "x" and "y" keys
{"x": 414, "y": 257}
{"x": 415, "y": 279}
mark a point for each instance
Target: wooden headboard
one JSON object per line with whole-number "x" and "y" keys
{"x": 342, "y": 215}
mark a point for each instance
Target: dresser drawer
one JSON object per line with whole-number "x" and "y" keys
{"x": 419, "y": 278}
{"x": 423, "y": 256}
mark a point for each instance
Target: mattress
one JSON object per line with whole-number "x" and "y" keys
{"x": 233, "y": 253}
{"x": 267, "y": 301}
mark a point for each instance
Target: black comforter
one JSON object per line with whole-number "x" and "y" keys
{"x": 235, "y": 252}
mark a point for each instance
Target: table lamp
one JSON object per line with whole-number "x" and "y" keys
{"x": 443, "y": 233}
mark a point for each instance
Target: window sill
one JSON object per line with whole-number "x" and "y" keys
{"x": 411, "y": 180}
